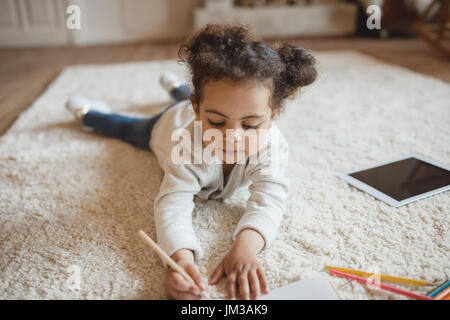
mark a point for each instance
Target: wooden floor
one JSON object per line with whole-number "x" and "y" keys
{"x": 25, "y": 73}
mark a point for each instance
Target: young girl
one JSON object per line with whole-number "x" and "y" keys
{"x": 239, "y": 86}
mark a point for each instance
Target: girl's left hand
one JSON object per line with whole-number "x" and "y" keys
{"x": 242, "y": 269}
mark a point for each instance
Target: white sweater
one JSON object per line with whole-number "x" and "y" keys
{"x": 174, "y": 204}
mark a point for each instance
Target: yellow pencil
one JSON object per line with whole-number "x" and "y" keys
{"x": 382, "y": 276}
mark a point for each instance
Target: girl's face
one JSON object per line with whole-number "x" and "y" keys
{"x": 238, "y": 108}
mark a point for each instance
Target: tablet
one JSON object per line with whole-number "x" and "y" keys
{"x": 401, "y": 181}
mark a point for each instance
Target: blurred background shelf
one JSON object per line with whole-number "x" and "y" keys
{"x": 326, "y": 19}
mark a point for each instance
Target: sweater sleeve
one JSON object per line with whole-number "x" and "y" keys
{"x": 269, "y": 190}
{"x": 173, "y": 208}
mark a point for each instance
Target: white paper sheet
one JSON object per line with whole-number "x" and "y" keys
{"x": 313, "y": 288}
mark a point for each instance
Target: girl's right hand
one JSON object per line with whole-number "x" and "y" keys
{"x": 177, "y": 286}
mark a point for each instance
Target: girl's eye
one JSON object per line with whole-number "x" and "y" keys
{"x": 220, "y": 124}
{"x": 217, "y": 124}
{"x": 251, "y": 127}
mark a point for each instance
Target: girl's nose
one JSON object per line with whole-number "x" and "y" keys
{"x": 233, "y": 137}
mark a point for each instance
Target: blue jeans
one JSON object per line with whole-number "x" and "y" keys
{"x": 136, "y": 131}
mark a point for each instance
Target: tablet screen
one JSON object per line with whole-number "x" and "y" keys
{"x": 405, "y": 178}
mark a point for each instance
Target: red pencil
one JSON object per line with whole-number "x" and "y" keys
{"x": 382, "y": 285}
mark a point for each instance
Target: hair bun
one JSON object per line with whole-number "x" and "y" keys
{"x": 300, "y": 70}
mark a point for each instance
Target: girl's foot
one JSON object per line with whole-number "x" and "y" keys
{"x": 174, "y": 85}
{"x": 170, "y": 81}
{"x": 79, "y": 106}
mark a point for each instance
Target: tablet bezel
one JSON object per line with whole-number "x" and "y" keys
{"x": 384, "y": 197}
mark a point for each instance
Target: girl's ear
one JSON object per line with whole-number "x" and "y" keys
{"x": 275, "y": 113}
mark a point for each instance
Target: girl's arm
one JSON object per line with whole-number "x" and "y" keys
{"x": 257, "y": 228}
{"x": 269, "y": 190}
{"x": 173, "y": 207}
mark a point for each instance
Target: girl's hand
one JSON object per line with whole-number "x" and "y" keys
{"x": 242, "y": 268}
{"x": 177, "y": 286}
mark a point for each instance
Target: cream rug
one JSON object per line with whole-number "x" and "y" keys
{"x": 72, "y": 202}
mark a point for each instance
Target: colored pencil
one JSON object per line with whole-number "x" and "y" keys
{"x": 446, "y": 297}
{"x": 166, "y": 258}
{"x": 442, "y": 294}
{"x": 382, "y": 285}
{"x": 384, "y": 277}
{"x": 439, "y": 289}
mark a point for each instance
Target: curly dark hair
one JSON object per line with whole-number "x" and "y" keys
{"x": 228, "y": 50}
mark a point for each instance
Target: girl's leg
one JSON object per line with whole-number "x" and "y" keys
{"x": 136, "y": 131}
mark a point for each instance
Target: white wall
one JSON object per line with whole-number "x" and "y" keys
{"x": 32, "y": 22}
{"x": 42, "y": 22}
{"x": 109, "y": 21}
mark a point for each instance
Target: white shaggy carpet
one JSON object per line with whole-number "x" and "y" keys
{"x": 72, "y": 198}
